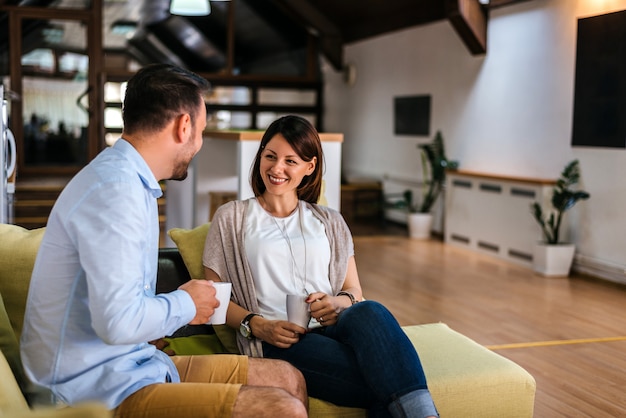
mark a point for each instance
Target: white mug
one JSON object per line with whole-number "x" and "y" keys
{"x": 222, "y": 293}
{"x": 298, "y": 310}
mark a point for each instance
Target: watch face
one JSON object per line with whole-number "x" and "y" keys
{"x": 244, "y": 329}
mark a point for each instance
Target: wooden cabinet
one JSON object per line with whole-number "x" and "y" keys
{"x": 361, "y": 201}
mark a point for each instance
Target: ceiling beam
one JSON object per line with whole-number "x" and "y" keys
{"x": 499, "y": 3}
{"x": 316, "y": 23}
{"x": 469, "y": 19}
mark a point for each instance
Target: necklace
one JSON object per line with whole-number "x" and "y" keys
{"x": 294, "y": 265}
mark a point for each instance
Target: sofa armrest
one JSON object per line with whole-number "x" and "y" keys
{"x": 172, "y": 273}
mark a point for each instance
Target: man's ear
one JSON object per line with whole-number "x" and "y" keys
{"x": 182, "y": 127}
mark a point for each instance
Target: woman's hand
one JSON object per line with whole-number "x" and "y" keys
{"x": 282, "y": 334}
{"x": 325, "y": 308}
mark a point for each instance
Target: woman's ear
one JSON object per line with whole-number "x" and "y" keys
{"x": 311, "y": 168}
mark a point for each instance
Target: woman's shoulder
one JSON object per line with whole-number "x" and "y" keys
{"x": 329, "y": 214}
{"x": 230, "y": 209}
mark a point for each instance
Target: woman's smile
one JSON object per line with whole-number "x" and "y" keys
{"x": 277, "y": 180}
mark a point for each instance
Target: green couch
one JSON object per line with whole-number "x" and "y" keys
{"x": 465, "y": 379}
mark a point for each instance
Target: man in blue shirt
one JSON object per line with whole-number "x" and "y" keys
{"x": 92, "y": 306}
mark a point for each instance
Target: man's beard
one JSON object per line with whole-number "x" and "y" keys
{"x": 180, "y": 173}
{"x": 181, "y": 170}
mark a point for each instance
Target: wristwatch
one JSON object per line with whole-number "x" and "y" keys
{"x": 348, "y": 294}
{"x": 244, "y": 327}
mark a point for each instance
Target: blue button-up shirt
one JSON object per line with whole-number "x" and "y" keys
{"x": 91, "y": 305}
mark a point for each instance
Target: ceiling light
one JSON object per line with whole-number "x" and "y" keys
{"x": 124, "y": 27}
{"x": 190, "y": 7}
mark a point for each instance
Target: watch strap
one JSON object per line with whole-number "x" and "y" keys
{"x": 246, "y": 320}
{"x": 244, "y": 326}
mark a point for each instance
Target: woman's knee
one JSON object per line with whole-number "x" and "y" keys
{"x": 365, "y": 318}
{"x": 367, "y": 311}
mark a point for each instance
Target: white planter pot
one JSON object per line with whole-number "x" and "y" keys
{"x": 553, "y": 260}
{"x": 420, "y": 225}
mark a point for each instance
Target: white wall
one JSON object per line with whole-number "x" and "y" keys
{"x": 508, "y": 112}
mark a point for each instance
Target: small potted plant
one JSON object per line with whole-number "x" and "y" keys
{"x": 553, "y": 257}
{"x": 434, "y": 166}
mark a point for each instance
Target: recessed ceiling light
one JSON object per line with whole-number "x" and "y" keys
{"x": 190, "y": 7}
{"x": 123, "y": 27}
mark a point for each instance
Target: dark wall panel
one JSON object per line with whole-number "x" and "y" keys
{"x": 600, "y": 84}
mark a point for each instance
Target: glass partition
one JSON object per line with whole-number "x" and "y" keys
{"x": 54, "y": 92}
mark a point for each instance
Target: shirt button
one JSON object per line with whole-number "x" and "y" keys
{"x": 147, "y": 287}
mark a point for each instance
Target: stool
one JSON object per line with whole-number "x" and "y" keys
{"x": 217, "y": 199}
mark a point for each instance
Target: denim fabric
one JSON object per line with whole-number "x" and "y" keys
{"x": 365, "y": 360}
{"x": 416, "y": 404}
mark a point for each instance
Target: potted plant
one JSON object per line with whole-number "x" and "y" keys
{"x": 553, "y": 257}
{"x": 434, "y": 165}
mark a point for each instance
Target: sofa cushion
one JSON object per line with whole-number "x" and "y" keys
{"x": 190, "y": 243}
{"x": 11, "y": 398}
{"x": 469, "y": 380}
{"x": 10, "y": 350}
{"x": 18, "y": 250}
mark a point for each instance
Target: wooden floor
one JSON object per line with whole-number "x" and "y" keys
{"x": 570, "y": 334}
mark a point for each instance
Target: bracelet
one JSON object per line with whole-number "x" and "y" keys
{"x": 348, "y": 294}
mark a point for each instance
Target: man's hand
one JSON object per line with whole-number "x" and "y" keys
{"x": 203, "y": 294}
{"x": 162, "y": 345}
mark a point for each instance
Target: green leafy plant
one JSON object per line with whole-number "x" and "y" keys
{"x": 434, "y": 166}
{"x": 564, "y": 197}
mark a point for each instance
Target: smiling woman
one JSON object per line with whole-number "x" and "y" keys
{"x": 284, "y": 245}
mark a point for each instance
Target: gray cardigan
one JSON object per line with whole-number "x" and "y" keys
{"x": 224, "y": 253}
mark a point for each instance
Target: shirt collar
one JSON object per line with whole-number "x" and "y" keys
{"x": 143, "y": 170}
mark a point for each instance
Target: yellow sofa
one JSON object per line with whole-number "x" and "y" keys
{"x": 17, "y": 250}
{"x": 14, "y": 405}
{"x": 465, "y": 379}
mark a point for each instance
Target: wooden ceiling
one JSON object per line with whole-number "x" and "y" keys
{"x": 267, "y": 28}
{"x": 341, "y": 22}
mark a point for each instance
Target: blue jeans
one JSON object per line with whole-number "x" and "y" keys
{"x": 365, "y": 360}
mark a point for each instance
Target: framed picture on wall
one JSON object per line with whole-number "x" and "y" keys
{"x": 412, "y": 115}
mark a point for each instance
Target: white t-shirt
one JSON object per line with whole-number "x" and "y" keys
{"x": 276, "y": 249}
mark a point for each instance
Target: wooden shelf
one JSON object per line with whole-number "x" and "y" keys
{"x": 501, "y": 177}
{"x": 254, "y": 135}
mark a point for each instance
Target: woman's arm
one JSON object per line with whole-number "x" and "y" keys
{"x": 282, "y": 334}
{"x": 326, "y": 308}
{"x": 352, "y": 284}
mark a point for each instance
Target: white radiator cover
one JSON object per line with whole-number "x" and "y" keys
{"x": 492, "y": 215}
